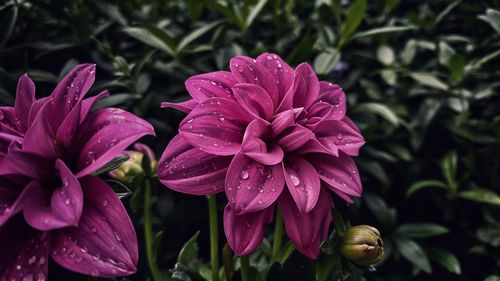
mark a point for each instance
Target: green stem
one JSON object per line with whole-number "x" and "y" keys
{"x": 278, "y": 235}
{"x": 148, "y": 233}
{"x": 245, "y": 268}
{"x": 214, "y": 237}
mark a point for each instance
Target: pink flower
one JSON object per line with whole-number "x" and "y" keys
{"x": 267, "y": 135}
{"x": 50, "y": 203}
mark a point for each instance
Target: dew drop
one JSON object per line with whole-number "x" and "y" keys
{"x": 269, "y": 57}
{"x": 117, "y": 236}
{"x": 31, "y": 260}
{"x": 105, "y": 203}
{"x": 94, "y": 272}
{"x": 339, "y": 136}
{"x": 84, "y": 249}
{"x": 244, "y": 175}
{"x": 295, "y": 180}
{"x": 190, "y": 120}
{"x": 221, "y": 118}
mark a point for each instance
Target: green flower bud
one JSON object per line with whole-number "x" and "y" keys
{"x": 362, "y": 245}
{"x": 130, "y": 169}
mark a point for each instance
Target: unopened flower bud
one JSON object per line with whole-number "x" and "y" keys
{"x": 362, "y": 245}
{"x": 134, "y": 165}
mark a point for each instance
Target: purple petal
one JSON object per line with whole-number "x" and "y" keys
{"x": 216, "y": 126}
{"x": 308, "y": 231}
{"x": 36, "y": 108}
{"x": 24, "y": 252}
{"x": 351, "y": 124}
{"x": 337, "y": 133}
{"x": 186, "y": 169}
{"x": 12, "y": 200}
{"x": 40, "y": 136}
{"x": 25, "y": 97}
{"x": 315, "y": 146}
{"x": 68, "y": 127}
{"x": 247, "y": 70}
{"x": 255, "y": 146}
{"x": 283, "y": 121}
{"x": 88, "y": 104}
{"x": 303, "y": 183}
{"x": 244, "y": 233}
{"x": 251, "y": 186}
{"x": 47, "y": 210}
{"x": 331, "y": 102}
{"x": 185, "y": 106}
{"x": 296, "y": 138}
{"x": 305, "y": 86}
{"x": 17, "y": 162}
{"x": 254, "y": 99}
{"x": 338, "y": 173}
{"x": 104, "y": 135}
{"x": 146, "y": 150}
{"x": 280, "y": 70}
{"x": 104, "y": 243}
{"x": 210, "y": 85}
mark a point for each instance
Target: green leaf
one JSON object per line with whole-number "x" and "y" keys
{"x": 382, "y": 30}
{"x": 481, "y": 195}
{"x": 8, "y": 17}
{"x": 389, "y": 76}
{"x": 490, "y": 234}
{"x": 445, "y": 53}
{"x": 449, "y": 168}
{"x": 379, "y": 209}
{"x": 114, "y": 100}
{"x": 493, "y": 18}
{"x": 492, "y": 278}
{"x": 416, "y": 186}
{"x": 355, "y": 15}
{"x": 254, "y": 11}
{"x": 420, "y": 230}
{"x": 189, "y": 251}
{"x": 429, "y": 80}
{"x": 113, "y": 164}
{"x": 380, "y": 109}
{"x": 409, "y": 51}
{"x": 412, "y": 252}
{"x": 385, "y": 55}
{"x": 457, "y": 66}
{"x": 153, "y": 37}
{"x": 197, "y": 33}
{"x": 445, "y": 12}
{"x": 445, "y": 258}
{"x": 325, "y": 61}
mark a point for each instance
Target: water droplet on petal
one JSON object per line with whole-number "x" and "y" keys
{"x": 32, "y": 260}
{"x": 190, "y": 120}
{"x": 244, "y": 175}
{"x": 221, "y": 118}
{"x": 105, "y": 203}
{"x": 295, "y": 180}
{"x": 339, "y": 136}
{"x": 117, "y": 236}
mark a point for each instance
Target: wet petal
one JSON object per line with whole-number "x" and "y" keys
{"x": 216, "y": 126}
{"x": 25, "y": 252}
{"x": 25, "y": 97}
{"x": 307, "y": 231}
{"x": 17, "y": 162}
{"x": 338, "y": 173}
{"x": 104, "y": 243}
{"x": 244, "y": 233}
{"x": 305, "y": 86}
{"x": 254, "y": 99}
{"x": 187, "y": 169}
{"x": 7, "y": 120}
{"x": 252, "y": 186}
{"x": 40, "y": 138}
{"x": 247, "y": 70}
{"x": 211, "y": 85}
{"x": 88, "y": 104}
{"x": 12, "y": 200}
{"x": 303, "y": 183}
{"x": 280, "y": 70}
{"x": 334, "y": 97}
{"x": 68, "y": 127}
{"x": 315, "y": 146}
{"x": 104, "y": 135}
{"x": 185, "y": 106}
{"x": 295, "y": 138}
{"x": 282, "y": 121}
{"x": 61, "y": 208}
{"x": 255, "y": 146}
{"x": 337, "y": 133}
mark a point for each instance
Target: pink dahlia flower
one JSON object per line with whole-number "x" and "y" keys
{"x": 267, "y": 135}
{"x": 50, "y": 203}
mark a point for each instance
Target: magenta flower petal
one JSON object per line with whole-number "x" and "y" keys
{"x": 254, "y": 144}
{"x": 88, "y": 103}
{"x": 104, "y": 243}
{"x": 307, "y": 231}
{"x": 254, "y": 99}
{"x": 62, "y": 207}
{"x": 244, "y": 233}
{"x": 296, "y": 138}
{"x": 185, "y": 106}
{"x": 40, "y": 137}
{"x": 186, "y": 169}
{"x": 12, "y": 200}
{"x": 315, "y": 146}
{"x": 211, "y": 85}
{"x": 216, "y": 126}
{"x": 331, "y": 102}
{"x": 7, "y": 120}
{"x": 337, "y": 133}
{"x": 24, "y": 252}
{"x": 305, "y": 86}
{"x": 339, "y": 173}
{"x": 25, "y": 97}
{"x": 303, "y": 183}
{"x": 247, "y": 70}
{"x": 68, "y": 127}
{"x": 351, "y": 124}
{"x": 252, "y": 186}
{"x": 281, "y": 71}
{"x": 102, "y": 137}
{"x": 283, "y": 121}
{"x": 26, "y": 164}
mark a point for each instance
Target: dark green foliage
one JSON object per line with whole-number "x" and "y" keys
{"x": 422, "y": 83}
